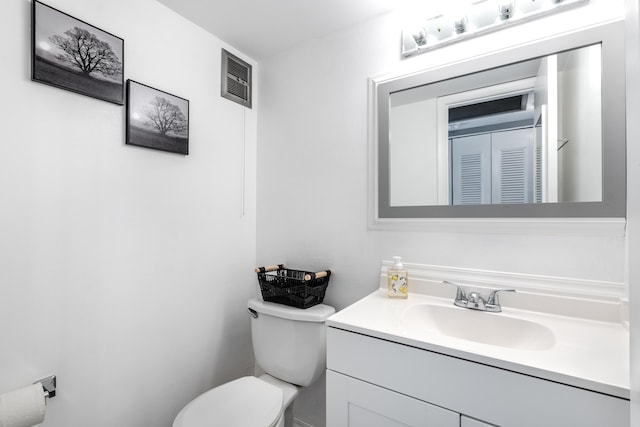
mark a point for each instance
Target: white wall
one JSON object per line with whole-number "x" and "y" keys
{"x": 633, "y": 197}
{"x": 125, "y": 271}
{"x": 413, "y": 157}
{"x": 312, "y": 172}
{"x": 580, "y": 160}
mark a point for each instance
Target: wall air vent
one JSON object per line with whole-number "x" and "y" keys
{"x": 236, "y": 79}
{"x": 488, "y": 108}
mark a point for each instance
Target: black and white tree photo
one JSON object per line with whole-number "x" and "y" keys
{"x": 165, "y": 116}
{"x": 157, "y": 119}
{"x": 73, "y": 55}
{"x": 86, "y": 52}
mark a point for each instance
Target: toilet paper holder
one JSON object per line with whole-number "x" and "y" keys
{"x": 48, "y": 385}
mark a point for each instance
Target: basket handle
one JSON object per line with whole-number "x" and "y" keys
{"x": 269, "y": 268}
{"x": 318, "y": 275}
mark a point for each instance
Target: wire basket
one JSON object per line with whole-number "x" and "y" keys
{"x": 296, "y": 288}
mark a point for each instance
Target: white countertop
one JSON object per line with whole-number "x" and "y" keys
{"x": 589, "y": 354}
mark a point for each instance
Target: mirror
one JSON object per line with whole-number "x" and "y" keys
{"x": 536, "y": 131}
{"x": 488, "y": 137}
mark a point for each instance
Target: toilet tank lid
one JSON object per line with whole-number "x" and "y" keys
{"x": 317, "y": 313}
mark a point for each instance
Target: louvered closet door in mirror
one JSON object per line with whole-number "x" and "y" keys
{"x": 493, "y": 168}
{"x": 471, "y": 169}
{"x": 512, "y": 166}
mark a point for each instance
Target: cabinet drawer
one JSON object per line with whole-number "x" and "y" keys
{"x": 483, "y": 392}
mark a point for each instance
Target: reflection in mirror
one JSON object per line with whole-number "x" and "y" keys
{"x": 535, "y": 131}
{"x": 528, "y": 133}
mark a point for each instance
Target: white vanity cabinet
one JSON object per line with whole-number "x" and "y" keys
{"x": 376, "y": 382}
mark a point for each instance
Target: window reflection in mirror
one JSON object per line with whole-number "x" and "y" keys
{"x": 525, "y": 133}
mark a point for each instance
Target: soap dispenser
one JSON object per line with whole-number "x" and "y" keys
{"x": 397, "y": 279}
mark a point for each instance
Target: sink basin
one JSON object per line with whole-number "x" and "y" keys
{"x": 479, "y": 326}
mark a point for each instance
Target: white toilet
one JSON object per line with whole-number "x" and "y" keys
{"x": 290, "y": 346}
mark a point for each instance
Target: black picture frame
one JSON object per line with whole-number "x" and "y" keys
{"x": 156, "y": 119}
{"x": 76, "y": 56}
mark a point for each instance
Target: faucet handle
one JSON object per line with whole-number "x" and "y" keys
{"x": 461, "y": 295}
{"x": 493, "y": 299}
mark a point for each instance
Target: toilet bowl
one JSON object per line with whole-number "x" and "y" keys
{"x": 290, "y": 346}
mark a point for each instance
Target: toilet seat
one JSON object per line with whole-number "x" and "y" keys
{"x": 247, "y": 402}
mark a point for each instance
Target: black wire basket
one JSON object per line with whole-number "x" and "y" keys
{"x": 296, "y": 288}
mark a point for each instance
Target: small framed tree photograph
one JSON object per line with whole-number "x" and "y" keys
{"x": 157, "y": 119}
{"x": 73, "y": 55}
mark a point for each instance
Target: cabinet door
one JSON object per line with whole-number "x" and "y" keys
{"x": 354, "y": 403}
{"x": 470, "y": 422}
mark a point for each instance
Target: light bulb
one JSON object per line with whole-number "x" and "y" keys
{"x": 419, "y": 36}
{"x": 506, "y": 9}
{"x": 460, "y": 24}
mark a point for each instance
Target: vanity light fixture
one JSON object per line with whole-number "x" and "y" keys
{"x": 479, "y": 17}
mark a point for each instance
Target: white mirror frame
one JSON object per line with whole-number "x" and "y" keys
{"x": 611, "y": 210}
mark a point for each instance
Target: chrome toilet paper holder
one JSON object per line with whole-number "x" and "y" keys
{"x": 48, "y": 385}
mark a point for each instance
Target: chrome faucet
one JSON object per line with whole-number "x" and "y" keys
{"x": 475, "y": 301}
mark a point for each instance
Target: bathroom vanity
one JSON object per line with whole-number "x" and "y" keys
{"x": 425, "y": 362}
{"x": 557, "y": 355}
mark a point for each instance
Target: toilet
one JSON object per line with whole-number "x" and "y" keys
{"x": 290, "y": 347}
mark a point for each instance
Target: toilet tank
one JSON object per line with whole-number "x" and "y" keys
{"x": 290, "y": 343}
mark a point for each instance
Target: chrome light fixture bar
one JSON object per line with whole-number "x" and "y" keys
{"x": 481, "y": 17}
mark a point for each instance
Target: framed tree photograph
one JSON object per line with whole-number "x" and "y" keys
{"x": 156, "y": 119}
{"x": 73, "y": 55}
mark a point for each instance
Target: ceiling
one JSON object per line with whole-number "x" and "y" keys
{"x": 261, "y": 28}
